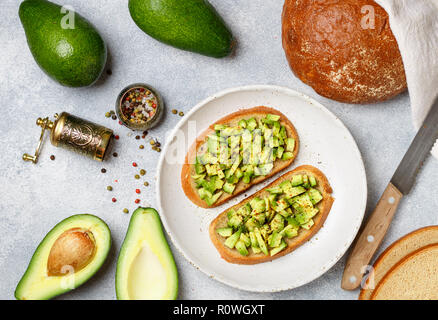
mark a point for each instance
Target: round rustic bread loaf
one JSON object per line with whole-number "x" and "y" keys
{"x": 332, "y": 46}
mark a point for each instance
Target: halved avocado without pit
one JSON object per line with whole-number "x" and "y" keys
{"x": 146, "y": 269}
{"x": 70, "y": 254}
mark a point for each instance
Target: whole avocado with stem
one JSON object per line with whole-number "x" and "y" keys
{"x": 65, "y": 45}
{"x": 192, "y": 25}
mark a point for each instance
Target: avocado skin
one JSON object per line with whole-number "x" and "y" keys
{"x": 20, "y": 291}
{"x": 192, "y": 25}
{"x": 73, "y": 57}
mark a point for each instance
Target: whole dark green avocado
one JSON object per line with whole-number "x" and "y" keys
{"x": 73, "y": 57}
{"x": 192, "y": 25}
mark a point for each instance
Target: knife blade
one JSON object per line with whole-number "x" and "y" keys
{"x": 404, "y": 176}
{"x": 370, "y": 238}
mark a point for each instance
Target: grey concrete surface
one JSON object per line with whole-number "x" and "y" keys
{"x": 33, "y": 198}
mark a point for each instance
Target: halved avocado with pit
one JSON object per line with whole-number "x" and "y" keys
{"x": 70, "y": 254}
{"x": 146, "y": 269}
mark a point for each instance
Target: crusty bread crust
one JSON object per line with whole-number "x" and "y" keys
{"x": 188, "y": 169}
{"x": 400, "y": 264}
{"x": 380, "y": 267}
{"x": 328, "y": 48}
{"x": 233, "y": 256}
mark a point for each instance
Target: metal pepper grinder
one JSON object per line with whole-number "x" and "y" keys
{"x": 75, "y": 134}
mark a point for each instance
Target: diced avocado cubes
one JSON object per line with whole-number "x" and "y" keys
{"x": 251, "y": 224}
{"x": 265, "y": 223}
{"x": 297, "y": 180}
{"x": 229, "y": 188}
{"x": 312, "y": 181}
{"x": 277, "y": 224}
{"x": 241, "y": 247}
{"x": 287, "y": 156}
{"x": 212, "y": 200}
{"x": 275, "y": 239}
{"x": 278, "y": 249}
{"x": 308, "y": 224}
{"x": 240, "y": 152}
{"x": 251, "y": 124}
{"x": 232, "y": 240}
{"x": 242, "y": 123}
{"x": 235, "y": 221}
{"x": 258, "y": 205}
{"x": 272, "y": 117}
{"x": 290, "y": 144}
{"x": 225, "y": 232}
{"x": 245, "y": 238}
{"x": 315, "y": 196}
{"x": 275, "y": 190}
{"x": 260, "y": 241}
{"x": 254, "y": 243}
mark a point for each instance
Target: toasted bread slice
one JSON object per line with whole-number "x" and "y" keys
{"x": 398, "y": 251}
{"x": 413, "y": 278}
{"x": 188, "y": 168}
{"x": 233, "y": 256}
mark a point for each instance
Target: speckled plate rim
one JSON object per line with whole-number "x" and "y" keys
{"x": 341, "y": 251}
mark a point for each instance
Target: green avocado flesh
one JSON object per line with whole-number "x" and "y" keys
{"x": 146, "y": 269}
{"x": 73, "y": 55}
{"x": 263, "y": 224}
{"x": 37, "y": 284}
{"x": 240, "y": 153}
{"x": 192, "y": 25}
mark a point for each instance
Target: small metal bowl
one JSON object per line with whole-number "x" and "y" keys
{"x": 151, "y": 122}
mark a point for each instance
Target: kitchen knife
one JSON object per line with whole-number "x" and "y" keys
{"x": 371, "y": 236}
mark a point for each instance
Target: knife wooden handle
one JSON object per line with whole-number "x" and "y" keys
{"x": 370, "y": 238}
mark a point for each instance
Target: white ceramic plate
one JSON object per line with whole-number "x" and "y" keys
{"x": 325, "y": 143}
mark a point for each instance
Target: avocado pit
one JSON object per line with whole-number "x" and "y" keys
{"x": 74, "y": 248}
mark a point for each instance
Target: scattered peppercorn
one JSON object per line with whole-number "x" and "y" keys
{"x": 142, "y": 172}
{"x": 113, "y": 199}
{"x": 158, "y": 150}
{"x": 52, "y": 157}
{"x": 125, "y": 210}
{"x": 137, "y": 201}
{"x": 116, "y": 137}
{"x": 141, "y": 146}
{"x": 152, "y": 142}
{"x": 137, "y": 191}
{"x": 137, "y": 176}
{"x": 115, "y": 154}
{"x": 137, "y": 137}
{"x": 134, "y": 164}
{"x": 107, "y": 114}
{"x": 109, "y": 72}
{"x": 146, "y": 184}
{"x": 114, "y": 117}
{"x": 109, "y": 188}
{"x": 103, "y": 170}
{"x": 181, "y": 114}
{"x": 174, "y": 111}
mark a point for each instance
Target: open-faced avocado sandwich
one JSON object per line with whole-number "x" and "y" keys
{"x": 237, "y": 152}
{"x": 275, "y": 220}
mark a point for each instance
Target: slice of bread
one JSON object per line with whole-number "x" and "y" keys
{"x": 398, "y": 251}
{"x": 233, "y": 256}
{"x": 188, "y": 168}
{"x": 413, "y": 278}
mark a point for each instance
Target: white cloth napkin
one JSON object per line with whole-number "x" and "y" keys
{"x": 415, "y": 26}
